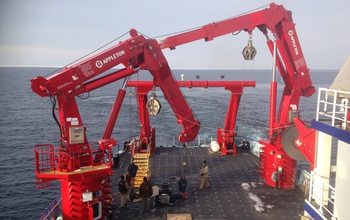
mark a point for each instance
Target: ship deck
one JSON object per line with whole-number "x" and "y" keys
{"x": 224, "y": 199}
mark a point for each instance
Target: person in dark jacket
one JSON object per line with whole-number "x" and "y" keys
{"x": 132, "y": 170}
{"x": 146, "y": 192}
{"x": 182, "y": 186}
{"x": 123, "y": 188}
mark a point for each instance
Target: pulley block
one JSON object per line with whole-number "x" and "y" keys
{"x": 153, "y": 106}
{"x": 249, "y": 51}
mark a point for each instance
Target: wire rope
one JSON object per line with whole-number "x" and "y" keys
{"x": 159, "y": 36}
{"x": 155, "y": 37}
{"x": 86, "y": 55}
{"x": 194, "y": 28}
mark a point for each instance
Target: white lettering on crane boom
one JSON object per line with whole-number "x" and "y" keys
{"x": 99, "y": 63}
{"x": 295, "y": 47}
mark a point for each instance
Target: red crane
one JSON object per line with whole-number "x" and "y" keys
{"x": 276, "y": 167}
{"x": 84, "y": 170}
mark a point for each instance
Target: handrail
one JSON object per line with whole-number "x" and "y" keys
{"x": 50, "y": 211}
{"x": 336, "y": 109}
{"x": 148, "y": 156}
{"x": 56, "y": 158}
{"x": 327, "y": 193}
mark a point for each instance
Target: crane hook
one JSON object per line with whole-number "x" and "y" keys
{"x": 249, "y": 51}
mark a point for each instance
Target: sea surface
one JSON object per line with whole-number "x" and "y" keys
{"x": 26, "y": 120}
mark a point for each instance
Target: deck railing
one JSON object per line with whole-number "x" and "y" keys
{"x": 51, "y": 158}
{"x": 54, "y": 210}
{"x": 322, "y": 193}
{"x": 333, "y": 106}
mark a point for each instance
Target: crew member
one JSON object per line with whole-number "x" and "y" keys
{"x": 182, "y": 186}
{"x": 132, "y": 170}
{"x": 123, "y": 188}
{"x": 146, "y": 192}
{"x": 204, "y": 173}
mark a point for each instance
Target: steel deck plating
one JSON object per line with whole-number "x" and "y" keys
{"x": 224, "y": 199}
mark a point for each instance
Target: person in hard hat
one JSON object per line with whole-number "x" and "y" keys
{"x": 204, "y": 172}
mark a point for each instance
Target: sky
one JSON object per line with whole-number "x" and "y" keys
{"x": 56, "y": 33}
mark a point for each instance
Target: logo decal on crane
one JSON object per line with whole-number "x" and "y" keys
{"x": 99, "y": 63}
{"x": 291, "y": 34}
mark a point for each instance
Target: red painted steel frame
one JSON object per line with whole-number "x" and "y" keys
{"x": 75, "y": 152}
{"x": 306, "y": 141}
{"x": 140, "y": 53}
{"x": 290, "y": 63}
{"x": 226, "y": 136}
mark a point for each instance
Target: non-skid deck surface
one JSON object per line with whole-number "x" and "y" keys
{"x": 224, "y": 199}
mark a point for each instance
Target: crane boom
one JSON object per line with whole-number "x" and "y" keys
{"x": 74, "y": 151}
{"x": 85, "y": 171}
{"x": 291, "y": 65}
{"x": 279, "y": 22}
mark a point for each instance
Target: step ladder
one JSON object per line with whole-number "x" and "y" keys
{"x": 142, "y": 160}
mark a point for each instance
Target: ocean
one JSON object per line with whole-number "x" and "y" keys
{"x": 26, "y": 120}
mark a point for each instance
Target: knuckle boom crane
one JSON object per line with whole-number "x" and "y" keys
{"x": 75, "y": 152}
{"x": 276, "y": 166}
{"x": 85, "y": 170}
